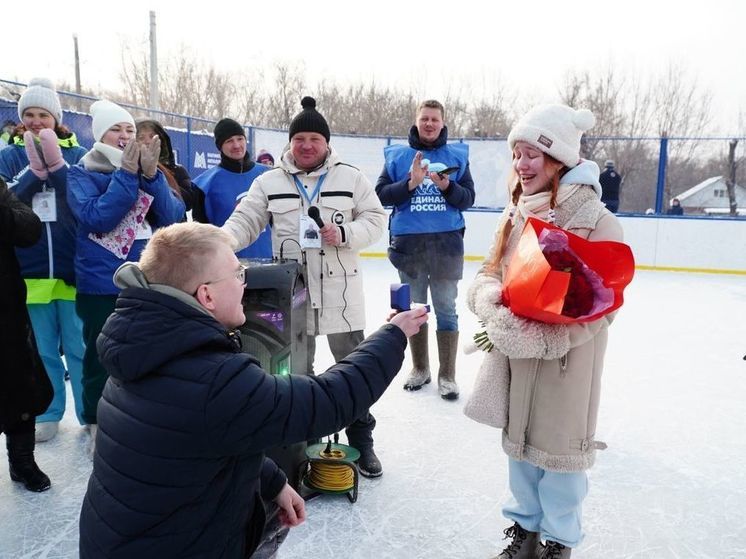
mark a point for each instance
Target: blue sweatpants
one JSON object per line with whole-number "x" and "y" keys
{"x": 547, "y": 502}
{"x": 57, "y": 323}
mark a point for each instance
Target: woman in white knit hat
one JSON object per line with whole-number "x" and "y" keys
{"x": 35, "y": 166}
{"x": 119, "y": 197}
{"x": 554, "y": 370}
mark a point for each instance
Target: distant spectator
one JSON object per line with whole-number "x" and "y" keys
{"x": 675, "y": 208}
{"x": 650, "y": 211}
{"x": 265, "y": 158}
{"x": 6, "y": 133}
{"x": 176, "y": 175}
{"x": 611, "y": 183}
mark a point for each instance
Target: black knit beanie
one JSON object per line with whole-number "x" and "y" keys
{"x": 309, "y": 120}
{"x": 227, "y": 128}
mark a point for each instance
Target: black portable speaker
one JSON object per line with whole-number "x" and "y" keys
{"x": 274, "y": 303}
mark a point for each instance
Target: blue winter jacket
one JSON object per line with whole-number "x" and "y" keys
{"x": 437, "y": 254}
{"x": 54, "y": 255}
{"x": 100, "y": 201}
{"x": 184, "y": 421}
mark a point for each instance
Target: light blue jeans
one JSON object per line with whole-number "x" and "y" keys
{"x": 547, "y": 502}
{"x": 443, "y": 293}
{"x": 53, "y": 323}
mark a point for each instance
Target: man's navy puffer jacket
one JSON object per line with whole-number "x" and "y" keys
{"x": 183, "y": 424}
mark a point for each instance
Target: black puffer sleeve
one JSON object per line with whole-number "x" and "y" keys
{"x": 250, "y": 410}
{"x": 19, "y": 225}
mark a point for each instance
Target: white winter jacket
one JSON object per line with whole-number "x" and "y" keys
{"x": 347, "y": 199}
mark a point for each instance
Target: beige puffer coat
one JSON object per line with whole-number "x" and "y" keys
{"x": 347, "y": 199}
{"x": 554, "y": 394}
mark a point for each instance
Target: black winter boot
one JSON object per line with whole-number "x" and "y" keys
{"x": 368, "y": 464}
{"x": 524, "y": 545}
{"x": 555, "y": 550}
{"x": 22, "y": 465}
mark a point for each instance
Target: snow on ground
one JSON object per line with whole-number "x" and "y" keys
{"x": 672, "y": 483}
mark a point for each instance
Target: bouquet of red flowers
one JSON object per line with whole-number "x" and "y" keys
{"x": 557, "y": 277}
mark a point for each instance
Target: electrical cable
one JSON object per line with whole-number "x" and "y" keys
{"x": 334, "y": 471}
{"x": 344, "y": 291}
{"x": 300, "y": 248}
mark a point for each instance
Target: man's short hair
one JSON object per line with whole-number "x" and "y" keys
{"x": 177, "y": 255}
{"x": 432, "y": 104}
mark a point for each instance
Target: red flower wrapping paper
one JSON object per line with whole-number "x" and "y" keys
{"x": 557, "y": 277}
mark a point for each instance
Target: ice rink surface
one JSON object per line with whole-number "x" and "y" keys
{"x": 671, "y": 485}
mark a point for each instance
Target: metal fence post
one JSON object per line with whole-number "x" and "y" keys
{"x": 190, "y": 159}
{"x": 662, "y": 162}
{"x": 251, "y": 148}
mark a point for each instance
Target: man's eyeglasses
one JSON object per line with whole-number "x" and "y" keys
{"x": 240, "y": 275}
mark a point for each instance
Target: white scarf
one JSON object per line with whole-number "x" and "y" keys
{"x": 114, "y": 155}
{"x": 537, "y": 205}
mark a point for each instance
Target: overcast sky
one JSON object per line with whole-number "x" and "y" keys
{"x": 465, "y": 46}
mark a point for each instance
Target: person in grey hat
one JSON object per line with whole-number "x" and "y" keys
{"x": 35, "y": 167}
{"x": 611, "y": 185}
{"x": 310, "y": 177}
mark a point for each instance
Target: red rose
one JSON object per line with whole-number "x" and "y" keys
{"x": 579, "y": 296}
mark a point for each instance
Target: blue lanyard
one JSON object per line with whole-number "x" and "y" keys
{"x": 302, "y": 189}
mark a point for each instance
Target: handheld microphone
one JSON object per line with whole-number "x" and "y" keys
{"x": 313, "y": 213}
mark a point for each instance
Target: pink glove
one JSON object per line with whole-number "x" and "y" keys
{"x": 50, "y": 148}
{"x": 35, "y": 161}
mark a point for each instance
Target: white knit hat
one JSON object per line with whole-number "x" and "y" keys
{"x": 555, "y": 130}
{"x": 105, "y": 115}
{"x": 41, "y": 93}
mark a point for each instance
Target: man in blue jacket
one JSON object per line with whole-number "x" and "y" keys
{"x": 429, "y": 184}
{"x": 179, "y": 467}
{"x": 224, "y": 186}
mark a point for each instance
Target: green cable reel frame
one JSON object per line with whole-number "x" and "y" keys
{"x": 314, "y": 455}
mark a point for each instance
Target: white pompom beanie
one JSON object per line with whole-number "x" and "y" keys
{"x": 555, "y": 130}
{"x": 105, "y": 115}
{"x": 41, "y": 94}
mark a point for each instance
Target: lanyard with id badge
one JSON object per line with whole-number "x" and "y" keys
{"x": 308, "y": 231}
{"x": 44, "y": 205}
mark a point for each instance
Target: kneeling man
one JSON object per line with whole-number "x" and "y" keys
{"x": 179, "y": 467}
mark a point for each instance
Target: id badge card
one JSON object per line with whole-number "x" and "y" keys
{"x": 144, "y": 230}
{"x": 44, "y": 205}
{"x": 309, "y": 233}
